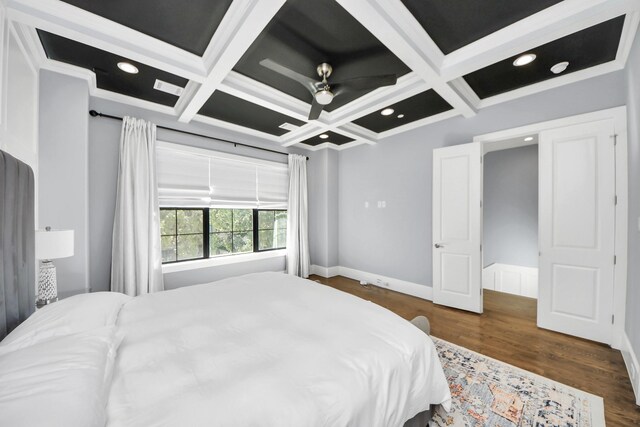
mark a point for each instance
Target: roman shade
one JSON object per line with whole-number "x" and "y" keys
{"x": 194, "y": 177}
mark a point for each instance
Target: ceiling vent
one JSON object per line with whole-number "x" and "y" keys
{"x": 168, "y": 88}
{"x": 288, "y": 126}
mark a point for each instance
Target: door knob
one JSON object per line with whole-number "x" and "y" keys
{"x": 438, "y": 246}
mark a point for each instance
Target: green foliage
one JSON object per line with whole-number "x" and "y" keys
{"x": 230, "y": 231}
{"x": 220, "y": 220}
{"x": 265, "y": 220}
{"x": 168, "y": 222}
{"x": 189, "y": 221}
{"x": 242, "y": 220}
{"x": 220, "y": 244}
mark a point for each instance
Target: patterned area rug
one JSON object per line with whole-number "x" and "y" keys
{"x": 487, "y": 392}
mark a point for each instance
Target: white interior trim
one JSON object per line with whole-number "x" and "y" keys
{"x": 619, "y": 117}
{"x": 512, "y": 279}
{"x": 222, "y": 260}
{"x": 402, "y": 286}
{"x": 241, "y": 25}
{"x": 633, "y": 368}
{"x": 388, "y": 20}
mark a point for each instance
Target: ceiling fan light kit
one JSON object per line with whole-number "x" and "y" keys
{"x": 323, "y": 92}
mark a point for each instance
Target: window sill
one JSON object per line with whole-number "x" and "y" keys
{"x": 223, "y": 260}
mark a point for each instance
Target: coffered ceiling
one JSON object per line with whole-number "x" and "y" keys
{"x": 450, "y": 57}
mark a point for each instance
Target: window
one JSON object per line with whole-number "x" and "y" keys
{"x": 215, "y": 204}
{"x": 189, "y": 233}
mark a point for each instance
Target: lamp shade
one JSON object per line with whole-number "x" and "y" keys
{"x": 52, "y": 244}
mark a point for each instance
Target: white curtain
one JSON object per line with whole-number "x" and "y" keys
{"x": 297, "y": 226}
{"x": 136, "y": 263}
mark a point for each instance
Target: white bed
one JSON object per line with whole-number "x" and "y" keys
{"x": 264, "y": 349}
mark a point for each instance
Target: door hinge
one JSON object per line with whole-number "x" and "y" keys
{"x": 615, "y": 260}
{"x": 615, "y": 200}
{"x": 480, "y": 248}
{"x": 613, "y": 319}
{"x": 615, "y": 138}
{"x": 480, "y": 203}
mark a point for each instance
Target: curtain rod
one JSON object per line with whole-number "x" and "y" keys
{"x": 94, "y": 113}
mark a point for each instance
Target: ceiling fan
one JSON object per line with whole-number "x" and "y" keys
{"x": 323, "y": 92}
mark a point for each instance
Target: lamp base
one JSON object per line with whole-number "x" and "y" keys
{"x": 47, "y": 283}
{"x": 42, "y": 303}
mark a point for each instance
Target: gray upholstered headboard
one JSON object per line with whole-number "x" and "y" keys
{"x": 17, "y": 243}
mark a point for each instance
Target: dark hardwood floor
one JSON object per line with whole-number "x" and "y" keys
{"x": 507, "y": 331}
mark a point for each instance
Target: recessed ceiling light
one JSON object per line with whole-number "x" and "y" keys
{"x": 559, "y": 67}
{"x": 525, "y": 59}
{"x": 400, "y": 116}
{"x": 529, "y": 138}
{"x": 128, "y": 68}
{"x": 324, "y": 136}
{"x": 387, "y": 112}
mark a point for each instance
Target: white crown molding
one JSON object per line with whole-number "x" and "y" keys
{"x": 235, "y": 128}
{"x": 628, "y": 35}
{"x": 407, "y": 86}
{"x": 72, "y": 22}
{"x": 241, "y": 25}
{"x": 252, "y": 90}
{"x": 31, "y": 49}
{"x": 562, "y": 19}
{"x": 388, "y": 20}
{"x": 574, "y": 77}
{"x": 391, "y": 23}
{"x": 419, "y": 123}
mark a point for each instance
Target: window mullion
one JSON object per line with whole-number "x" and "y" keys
{"x": 205, "y": 237}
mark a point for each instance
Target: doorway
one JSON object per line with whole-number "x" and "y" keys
{"x": 582, "y": 224}
{"x": 510, "y": 218}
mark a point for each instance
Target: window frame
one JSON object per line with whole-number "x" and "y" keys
{"x": 206, "y": 234}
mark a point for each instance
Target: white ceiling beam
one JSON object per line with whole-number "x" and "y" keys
{"x": 241, "y": 25}
{"x": 357, "y": 133}
{"x": 408, "y": 85}
{"x": 395, "y": 27}
{"x": 251, "y": 90}
{"x": 560, "y": 20}
{"x": 68, "y": 21}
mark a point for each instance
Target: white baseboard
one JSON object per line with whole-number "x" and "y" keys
{"x": 326, "y": 272}
{"x": 402, "y": 286}
{"x": 633, "y": 368}
{"x": 512, "y": 279}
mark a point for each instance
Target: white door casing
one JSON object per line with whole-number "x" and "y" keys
{"x": 457, "y": 226}
{"x": 577, "y": 230}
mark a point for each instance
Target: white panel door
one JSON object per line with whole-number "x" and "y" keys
{"x": 576, "y": 230}
{"x": 457, "y": 227}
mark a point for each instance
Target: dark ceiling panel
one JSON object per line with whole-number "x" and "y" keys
{"x": 228, "y": 108}
{"x": 424, "y": 104}
{"x": 108, "y": 75}
{"x": 306, "y": 33}
{"x": 189, "y": 27}
{"x": 453, "y": 24}
{"x": 584, "y": 49}
{"x": 334, "y": 138}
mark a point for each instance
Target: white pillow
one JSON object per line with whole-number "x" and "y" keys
{"x": 72, "y": 315}
{"x": 58, "y": 382}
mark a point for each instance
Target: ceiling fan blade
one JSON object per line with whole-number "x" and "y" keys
{"x": 364, "y": 83}
{"x": 316, "y": 109}
{"x": 305, "y": 81}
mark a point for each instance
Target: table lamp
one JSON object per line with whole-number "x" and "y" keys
{"x": 51, "y": 244}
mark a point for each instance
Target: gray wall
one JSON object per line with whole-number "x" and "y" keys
{"x": 62, "y": 157}
{"x": 396, "y": 241}
{"x": 633, "y": 281}
{"x": 510, "y": 201}
{"x": 79, "y": 160}
{"x": 323, "y": 208}
{"x": 104, "y": 138}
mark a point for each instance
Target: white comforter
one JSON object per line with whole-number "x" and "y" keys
{"x": 269, "y": 350}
